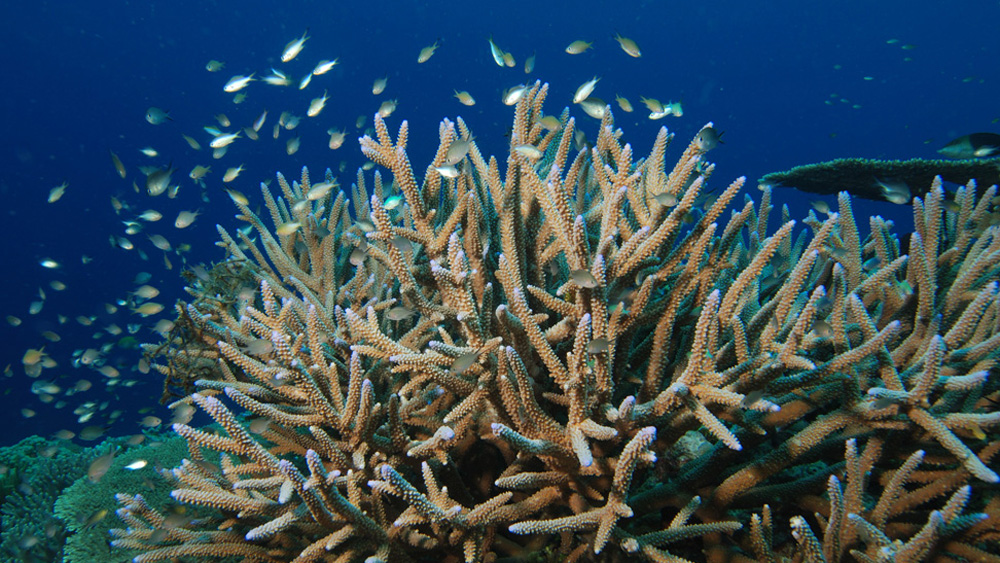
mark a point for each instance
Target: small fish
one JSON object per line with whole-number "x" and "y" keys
{"x": 652, "y": 104}
{"x": 100, "y": 466}
{"x": 156, "y": 116}
{"x": 137, "y": 464}
{"x": 259, "y": 122}
{"x": 238, "y": 197}
{"x": 336, "y": 138}
{"x": 895, "y": 191}
{"x": 33, "y": 356}
{"x": 392, "y": 202}
{"x": 584, "y": 91}
{"x": 305, "y": 81}
{"x": 185, "y": 218}
{"x": 118, "y": 164}
{"x": 224, "y": 140}
{"x": 317, "y": 105}
{"x": 223, "y": 119}
{"x": 259, "y": 347}
{"x": 294, "y": 47}
{"x": 379, "y": 85}
{"x": 288, "y": 228}
{"x": 508, "y": 60}
{"x": 514, "y": 94}
{"x": 149, "y": 151}
{"x": 497, "y": 53}
{"x": 464, "y": 362}
{"x": 150, "y": 216}
{"x": 820, "y": 206}
{"x": 628, "y": 46}
{"x": 158, "y": 181}
{"x": 357, "y": 256}
{"x": 666, "y": 199}
{"x": 146, "y": 292}
{"x": 238, "y": 82}
{"x": 319, "y": 191}
{"x": 577, "y": 47}
{"x": 214, "y": 65}
{"x": 401, "y": 244}
{"x": 231, "y": 174}
{"x": 289, "y": 121}
{"x": 324, "y": 66}
{"x": 199, "y": 171}
{"x": 148, "y": 308}
{"x": 465, "y": 98}
{"x": 277, "y": 78}
{"x": 530, "y": 152}
{"x": 387, "y": 107}
{"x": 132, "y": 227}
{"x": 292, "y": 145}
{"x": 194, "y": 144}
{"x": 529, "y": 64}
{"x": 583, "y": 278}
{"x": 624, "y": 103}
{"x": 91, "y": 433}
{"x": 160, "y": 242}
{"x": 57, "y": 192}
{"x": 597, "y": 345}
{"x": 550, "y": 122}
{"x": 399, "y": 313}
{"x": 976, "y": 145}
{"x": 427, "y": 52}
{"x": 594, "y": 107}
{"x": 456, "y": 151}
{"x": 448, "y": 171}
{"x": 708, "y": 138}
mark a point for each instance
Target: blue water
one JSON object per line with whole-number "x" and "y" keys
{"x": 785, "y": 80}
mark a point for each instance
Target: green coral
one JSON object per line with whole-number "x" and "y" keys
{"x": 37, "y": 471}
{"x": 88, "y": 508}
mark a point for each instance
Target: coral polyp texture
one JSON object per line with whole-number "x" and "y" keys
{"x": 574, "y": 355}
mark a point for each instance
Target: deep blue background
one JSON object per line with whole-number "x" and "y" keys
{"x": 78, "y": 77}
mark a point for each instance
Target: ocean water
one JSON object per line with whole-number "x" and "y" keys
{"x": 790, "y": 83}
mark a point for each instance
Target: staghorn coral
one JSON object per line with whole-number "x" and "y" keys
{"x": 579, "y": 348}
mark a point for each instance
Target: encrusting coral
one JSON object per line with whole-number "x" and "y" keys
{"x": 577, "y": 358}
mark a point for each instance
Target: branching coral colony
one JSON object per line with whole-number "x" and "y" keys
{"x": 576, "y": 359}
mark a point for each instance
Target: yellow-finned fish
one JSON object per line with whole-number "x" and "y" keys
{"x": 325, "y": 66}
{"x": 427, "y": 52}
{"x": 577, "y": 47}
{"x": 317, "y": 105}
{"x": 465, "y": 98}
{"x": 238, "y": 82}
{"x": 584, "y": 91}
{"x": 628, "y": 46}
{"x": 224, "y": 140}
{"x": 118, "y": 164}
{"x": 294, "y": 47}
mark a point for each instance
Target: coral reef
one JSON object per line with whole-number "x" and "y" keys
{"x": 863, "y": 177}
{"x": 35, "y": 471}
{"x": 87, "y": 507}
{"x": 576, "y": 357}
